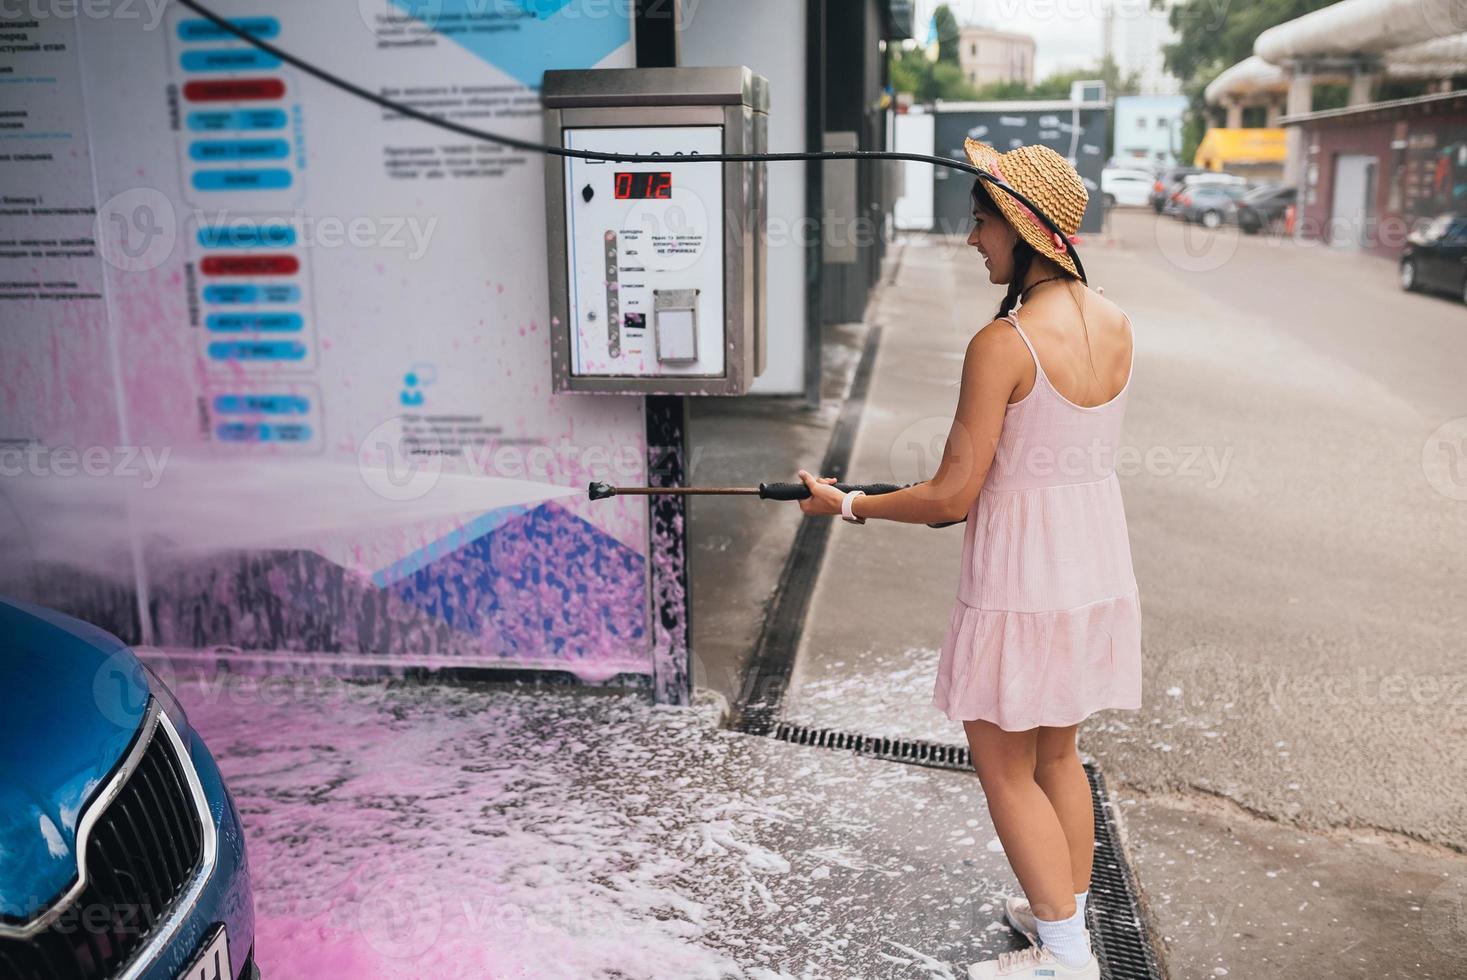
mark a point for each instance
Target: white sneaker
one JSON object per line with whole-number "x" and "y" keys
{"x": 1021, "y": 918}
{"x": 1032, "y": 963}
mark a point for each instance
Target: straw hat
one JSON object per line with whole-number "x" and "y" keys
{"x": 1047, "y": 179}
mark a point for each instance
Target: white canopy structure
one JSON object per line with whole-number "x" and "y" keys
{"x": 1254, "y": 77}
{"x": 1361, "y": 27}
{"x": 1438, "y": 58}
{"x": 1353, "y": 41}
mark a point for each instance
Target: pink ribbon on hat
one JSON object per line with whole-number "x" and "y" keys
{"x": 1061, "y": 244}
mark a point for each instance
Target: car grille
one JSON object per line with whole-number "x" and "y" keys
{"x": 142, "y": 853}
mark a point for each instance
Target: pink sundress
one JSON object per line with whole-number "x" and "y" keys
{"x": 1046, "y": 629}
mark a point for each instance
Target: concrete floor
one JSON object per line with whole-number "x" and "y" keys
{"x": 402, "y": 830}
{"x": 1288, "y": 808}
{"x": 1301, "y": 562}
{"x": 1305, "y": 603}
{"x": 738, "y": 545}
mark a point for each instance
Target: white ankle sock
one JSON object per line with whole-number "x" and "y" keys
{"x": 1080, "y": 903}
{"x": 1066, "y": 939}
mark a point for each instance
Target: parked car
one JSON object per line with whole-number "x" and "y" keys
{"x": 1435, "y": 257}
{"x": 1214, "y": 177}
{"x": 1263, "y": 207}
{"x": 1127, "y": 188}
{"x": 1166, "y": 183}
{"x": 1205, "y": 178}
{"x": 1210, "y": 205}
{"x": 123, "y": 854}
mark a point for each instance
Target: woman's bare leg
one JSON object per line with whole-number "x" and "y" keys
{"x": 1061, "y": 775}
{"x": 1028, "y": 826}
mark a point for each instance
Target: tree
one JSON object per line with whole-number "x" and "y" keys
{"x": 927, "y": 81}
{"x": 1212, "y": 37}
{"x": 948, "y": 34}
{"x": 1057, "y": 86}
{"x": 909, "y": 69}
{"x": 1116, "y": 83}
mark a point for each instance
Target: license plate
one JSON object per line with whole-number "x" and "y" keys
{"x": 213, "y": 962}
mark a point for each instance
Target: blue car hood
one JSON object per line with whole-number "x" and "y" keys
{"x": 72, "y": 698}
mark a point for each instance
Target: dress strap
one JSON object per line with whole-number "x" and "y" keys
{"x": 1013, "y": 317}
{"x": 1131, "y": 331}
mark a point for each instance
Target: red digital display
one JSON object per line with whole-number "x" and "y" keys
{"x": 638, "y": 186}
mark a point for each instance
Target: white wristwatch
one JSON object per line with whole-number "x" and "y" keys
{"x": 845, "y": 506}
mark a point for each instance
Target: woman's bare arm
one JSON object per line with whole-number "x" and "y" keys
{"x": 990, "y": 374}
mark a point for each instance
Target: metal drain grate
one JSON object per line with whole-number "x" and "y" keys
{"x": 1117, "y": 932}
{"x": 1119, "y": 935}
{"x": 913, "y": 751}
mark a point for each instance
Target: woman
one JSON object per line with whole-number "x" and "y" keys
{"x": 1046, "y": 628}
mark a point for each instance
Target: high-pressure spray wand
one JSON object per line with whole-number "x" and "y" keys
{"x": 764, "y": 491}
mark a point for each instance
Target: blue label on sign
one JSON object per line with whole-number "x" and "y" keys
{"x": 228, "y": 59}
{"x": 261, "y": 404}
{"x": 219, "y": 120}
{"x": 273, "y": 322}
{"x": 214, "y": 151}
{"x": 271, "y": 235}
{"x": 204, "y": 30}
{"x": 242, "y": 180}
{"x": 263, "y": 432}
{"x": 257, "y": 350}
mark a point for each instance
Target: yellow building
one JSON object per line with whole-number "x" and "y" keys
{"x": 1257, "y": 154}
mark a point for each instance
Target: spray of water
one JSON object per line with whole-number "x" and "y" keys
{"x": 95, "y": 523}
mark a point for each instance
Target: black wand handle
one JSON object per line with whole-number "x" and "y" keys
{"x": 798, "y": 491}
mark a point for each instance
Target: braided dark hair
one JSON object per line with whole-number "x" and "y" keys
{"x": 1024, "y": 254}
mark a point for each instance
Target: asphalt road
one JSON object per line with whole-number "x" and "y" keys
{"x": 1298, "y": 521}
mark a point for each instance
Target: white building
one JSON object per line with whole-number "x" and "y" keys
{"x": 1134, "y": 37}
{"x": 1148, "y": 129}
{"x": 988, "y": 56}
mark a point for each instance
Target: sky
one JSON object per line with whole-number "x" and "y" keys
{"x": 1067, "y": 33}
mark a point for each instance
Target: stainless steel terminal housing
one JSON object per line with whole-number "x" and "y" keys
{"x": 733, "y": 98}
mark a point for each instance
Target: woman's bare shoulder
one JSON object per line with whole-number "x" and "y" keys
{"x": 996, "y": 337}
{"x": 1107, "y": 309}
{"x": 998, "y": 353}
